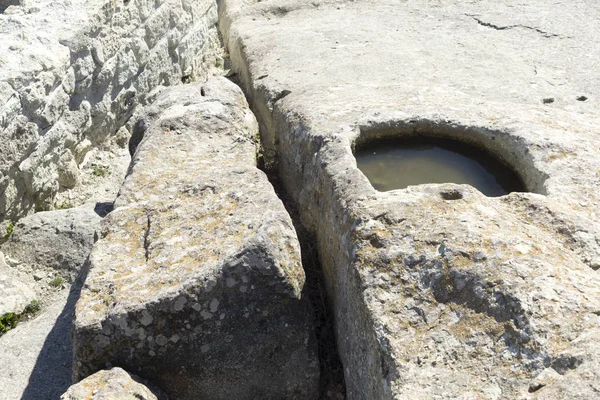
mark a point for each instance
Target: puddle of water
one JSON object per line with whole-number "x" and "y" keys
{"x": 398, "y": 163}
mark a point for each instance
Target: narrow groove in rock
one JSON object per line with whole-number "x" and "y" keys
{"x": 507, "y": 27}
{"x": 332, "y": 384}
{"x": 147, "y": 239}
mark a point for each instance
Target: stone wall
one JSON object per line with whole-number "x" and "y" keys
{"x": 72, "y": 75}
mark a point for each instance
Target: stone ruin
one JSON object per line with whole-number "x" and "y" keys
{"x": 178, "y": 180}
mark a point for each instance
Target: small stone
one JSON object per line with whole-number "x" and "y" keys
{"x": 56, "y": 241}
{"x": 214, "y": 305}
{"x": 106, "y": 385}
{"x": 146, "y": 318}
{"x": 544, "y": 378}
{"x": 180, "y": 303}
{"x": 15, "y": 294}
{"x": 161, "y": 340}
{"x": 39, "y": 275}
{"x": 230, "y": 282}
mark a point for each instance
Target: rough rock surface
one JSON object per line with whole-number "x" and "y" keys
{"x": 195, "y": 281}
{"x": 114, "y": 384}
{"x": 439, "y": 291}
{"x": 71, "y": 75}
{"x": 54, "y": 242}
{"x": 15, "y": 294}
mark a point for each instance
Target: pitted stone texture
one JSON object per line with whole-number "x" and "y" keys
{"x": 59, "y": 240}
{"x": 438, "y": 291}
{"x": 114, "y": 384}
{"x": 195, "y": 282}
{"x": 72, "y": 73}
{"x": 469, "y": 292}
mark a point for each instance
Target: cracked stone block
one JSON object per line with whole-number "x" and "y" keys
{"x": 195, "y": 281}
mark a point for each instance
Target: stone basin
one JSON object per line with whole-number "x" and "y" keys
{"x": 397, "y": 163}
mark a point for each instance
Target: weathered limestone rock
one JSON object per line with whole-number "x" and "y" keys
{"x": 467, "y": 291}
{"x": 15, "y": 294}
{"x": 114, "y": 384}
{"x": 439, "y": 291}
{"x": 72, "y": 73}
{"x": 195, "y": 281}
{"x": 59, "y": 240}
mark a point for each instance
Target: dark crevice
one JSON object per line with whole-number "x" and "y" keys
{"x": 332, "y": 385}
{"x": 281, "y": 95}
{"x": 565, "y": 363}
{"x": 147, "y": 239}
{"x": 506, "y": 27}
{"x": 103, "y": 209}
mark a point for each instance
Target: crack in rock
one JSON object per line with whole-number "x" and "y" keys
{"x": 147, "y": 239}
{"x": 281, "y": 95}
{"x": 507, "y": 27}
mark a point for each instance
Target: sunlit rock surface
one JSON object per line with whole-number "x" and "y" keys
{"x": 114, "y": 384}
{"x": 196, "y": 279}
{"x": 439, "y": 291}
{"x": 71, "y": 75}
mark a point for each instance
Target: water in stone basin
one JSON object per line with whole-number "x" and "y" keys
{"x": 397, "y": 163}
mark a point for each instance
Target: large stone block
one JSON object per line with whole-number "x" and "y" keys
{"x": 60, "y": 240}
{"x": 437, "y": 290}
{"x": 196, "y": 279}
